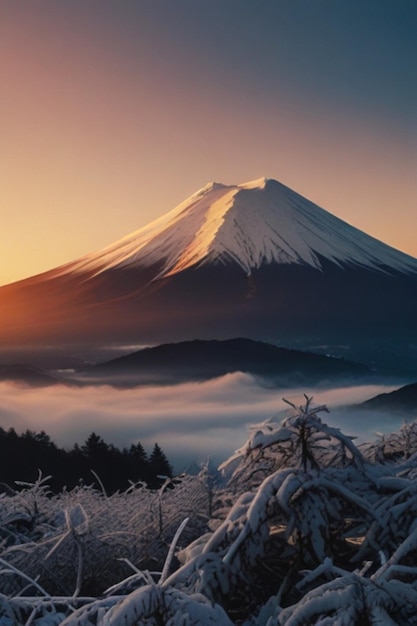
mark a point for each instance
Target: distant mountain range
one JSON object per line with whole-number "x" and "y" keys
{"x": 197, "y": 361}
{"x": 402, "y": 400}
{"x": 201, "y": 360}
{"x": 27, "y": 376}
{"x": 255, "y": 260}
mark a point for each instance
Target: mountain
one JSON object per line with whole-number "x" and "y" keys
{"x": 255, "y": 260}
{"x": 250, "y": 225}
{"x": 28, "y": 376}
{"x": 403, "y": 400}
{"x": 204, "y": 359}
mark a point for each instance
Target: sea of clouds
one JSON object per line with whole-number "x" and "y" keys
{"x": 190, "y": 421}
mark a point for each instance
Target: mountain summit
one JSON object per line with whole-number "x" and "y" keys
{"x": 255, "y": 260}
{"x": 249, "y": 224}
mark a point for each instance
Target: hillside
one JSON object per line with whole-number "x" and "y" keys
{"x": 400, "y": 400}
{"x": 202, "y": 360}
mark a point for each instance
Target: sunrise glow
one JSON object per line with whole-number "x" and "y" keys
{"x": 114, "y": 113}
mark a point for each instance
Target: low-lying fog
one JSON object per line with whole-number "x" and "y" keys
{"x": 189, "y": 421}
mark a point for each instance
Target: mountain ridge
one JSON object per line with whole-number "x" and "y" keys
{"x": 250, "y": 224}
{"x": 402, "y": 400}
{"x": 199, "y": 359}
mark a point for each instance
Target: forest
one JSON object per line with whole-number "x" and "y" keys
{"x": 23, "y": 456}
{"x": 299, "y": 527}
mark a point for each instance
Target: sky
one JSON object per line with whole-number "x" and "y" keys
{"x": 112, "y": 113}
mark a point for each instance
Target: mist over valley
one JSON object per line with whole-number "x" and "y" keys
{"x": 191, "y": 421}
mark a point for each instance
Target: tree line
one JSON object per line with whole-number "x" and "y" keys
{"x": 23, "y": 456}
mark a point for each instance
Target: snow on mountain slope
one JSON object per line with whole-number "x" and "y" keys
{"x": 250, "y": 224}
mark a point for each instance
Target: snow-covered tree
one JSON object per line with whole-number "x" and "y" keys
{"x": 302, "y": 529}
{"x": 302, "y": 440}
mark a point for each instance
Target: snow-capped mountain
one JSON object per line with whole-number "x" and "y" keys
{"x": 249, "y": 224}
{"x": 255, "y": 260}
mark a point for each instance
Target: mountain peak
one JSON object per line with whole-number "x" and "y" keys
{"x": 250, "y": 224}
{"x": 259, "y": 183}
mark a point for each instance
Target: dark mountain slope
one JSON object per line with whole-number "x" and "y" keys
{"x": 400, "y": 400}
{"x": 201, "y": 360}
{"x": 29, "y": 376}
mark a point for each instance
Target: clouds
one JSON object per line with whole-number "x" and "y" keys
{"x": 190, "y": 421}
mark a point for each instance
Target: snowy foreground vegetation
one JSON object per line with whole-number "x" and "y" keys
{"x": 298, "y": 527}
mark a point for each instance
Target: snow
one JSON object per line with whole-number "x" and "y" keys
{"x": 250, "y": 224}
{"x": 281, "y": 554}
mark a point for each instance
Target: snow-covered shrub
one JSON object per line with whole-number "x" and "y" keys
{"x": 85, "y": 535}
{"x": 27, "y": 514}
{"x": 298, "y": 518}
{"x": 168, "y": 606}
{"x": 388, "y": 596}
{"x": 299, "y": 514}
{"x": 396, "y": 446}
{"x": 152, "y": 603}
{"x": 298, "y": 496}
{"x": 302, "y": 440}
{"x": 395, "y": 517}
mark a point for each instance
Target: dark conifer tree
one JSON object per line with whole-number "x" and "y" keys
{"x": 158, "y": 463}
{"x": 100, "y": 458}
{"x": 94, "y": 447}
{"x": 138, "y": 462}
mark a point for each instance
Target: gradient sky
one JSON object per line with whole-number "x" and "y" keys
{"x": 112, "y": 112}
